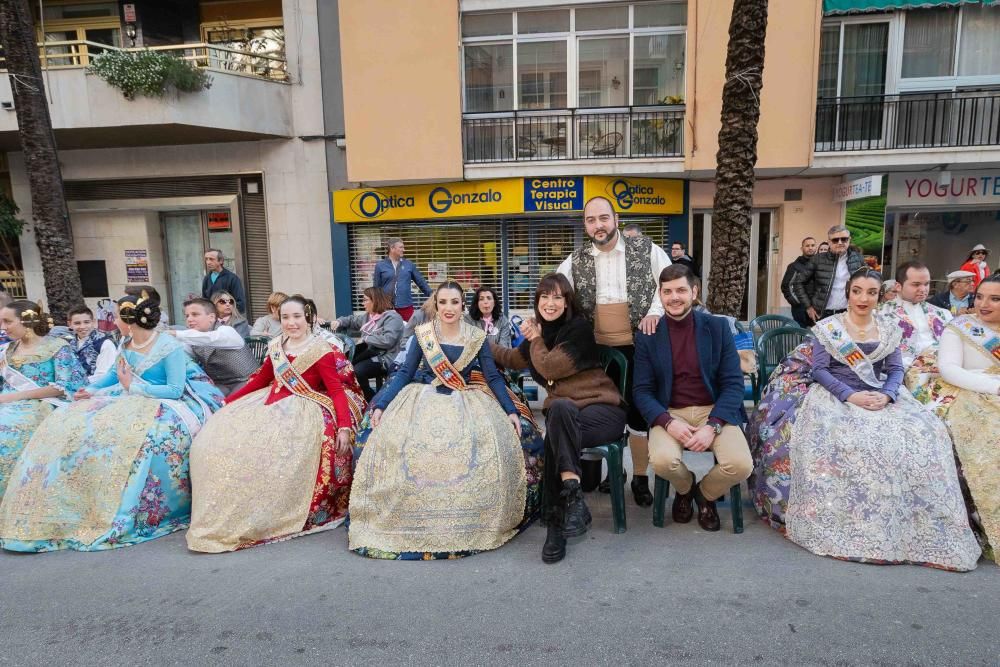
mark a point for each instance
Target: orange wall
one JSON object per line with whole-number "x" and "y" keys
{"x": 788, "y": 99}
{"x": 402, "y": 90}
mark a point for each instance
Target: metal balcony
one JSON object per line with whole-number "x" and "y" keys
{"x": 574, "y": 134}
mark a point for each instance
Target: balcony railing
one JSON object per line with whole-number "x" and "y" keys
{"x": 574, "y": 134}
{"x": 78, "y": 54}
{"x": 913, "y": 120}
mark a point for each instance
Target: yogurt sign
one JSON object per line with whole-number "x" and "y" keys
{"x": 929, "y": 189}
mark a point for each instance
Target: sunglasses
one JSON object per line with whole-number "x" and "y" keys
{"x": 841, "y": 239}
{"x": 228, "y": 302}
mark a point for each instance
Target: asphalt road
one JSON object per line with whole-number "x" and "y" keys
{"x": 674, "y": 595}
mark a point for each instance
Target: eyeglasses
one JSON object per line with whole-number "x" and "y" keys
{"x": 228, "y": 302}
{"x": 841, "y": 239}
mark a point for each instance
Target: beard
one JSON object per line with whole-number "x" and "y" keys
{"x": 610, "y": 238}
{"x": 687, "y": 311}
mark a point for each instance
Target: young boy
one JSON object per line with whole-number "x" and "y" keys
{"x": 95, "y": 350}
{"x": 217, "y": 348}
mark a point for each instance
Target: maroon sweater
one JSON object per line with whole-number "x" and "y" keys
{"x": 688, "y": 387}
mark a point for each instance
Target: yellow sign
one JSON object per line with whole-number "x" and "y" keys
{"x": 463, "y": 199}
{"x": 656, "y": 196}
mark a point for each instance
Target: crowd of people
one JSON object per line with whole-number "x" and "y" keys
{"x": 875, "y": 440}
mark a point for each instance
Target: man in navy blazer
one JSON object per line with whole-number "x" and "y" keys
{"x": 689, "y": 387}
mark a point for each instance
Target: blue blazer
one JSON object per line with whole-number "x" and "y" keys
{"x": 717, "y": 356}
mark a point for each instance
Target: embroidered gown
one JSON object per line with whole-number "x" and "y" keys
{"x": 839, "y": 480}
{"x": 444, "y": 475}
{"x": 112, "y": 470}
{"x": 52, "y": 363}
{"x": 965, "y": 397}
{"x": 266, "y": 467}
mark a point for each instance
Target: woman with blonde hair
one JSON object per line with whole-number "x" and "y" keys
{"x": 225, "y": 308}
{"x": 269, "y": 325}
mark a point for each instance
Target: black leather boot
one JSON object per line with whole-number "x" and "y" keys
{"x": 555, "y": 544}
{"x": 640, "y": 491}
{"x": 576, "y": 519}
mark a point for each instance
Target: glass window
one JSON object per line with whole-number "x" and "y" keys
{"x": 481, "y": 25}
{"x": 549, "y": 20}
{"x": 980, "y": 53}
{"x": 541, "y": 75}
{"x": 603, "y": 72}
{"x": 929, "y": 43}
{"x": 829, "y": 60}
{"x": 658, "y": 69}
{"x": 602, "y": 18}
{"x": 489, "y": 77}
{"x": 82, "y": 11}
{"x": 660, "y": 14}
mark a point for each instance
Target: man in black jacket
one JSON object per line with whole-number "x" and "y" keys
{"x": 793, "y": 273}
{"x": 959, "y": 296}
{"x": 221, "y": 279}
{"x": 824, "y": 280}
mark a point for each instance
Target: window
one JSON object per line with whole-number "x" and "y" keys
{"x": 980, "y": 51}
{"x": 81, "y": 11}
{"x": 617, "y": 55}
{"x": 929, "y": 43}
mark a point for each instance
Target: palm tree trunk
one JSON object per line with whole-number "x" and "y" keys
{"x": 48, "y": 200}
{"x": 734, "y": 176}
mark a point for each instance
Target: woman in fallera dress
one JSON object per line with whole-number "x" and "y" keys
{"x": 38, "y": 374}
{"x": 967, "y": 397}
{"x": 451, "y": 464}
{"x": 111, "y": 468}
{"x": 847, "y": 464}
{"x": 275, "y": 463}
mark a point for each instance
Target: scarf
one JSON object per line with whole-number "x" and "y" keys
{"x": 369, "y": 327}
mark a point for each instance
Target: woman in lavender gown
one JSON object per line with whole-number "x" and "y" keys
{"x": 846, "y": 464}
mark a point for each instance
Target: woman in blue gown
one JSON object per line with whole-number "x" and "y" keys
{"x": 38, "y": 374}
{"x": 111, "y": 469}
{"x": 451, "y": 465}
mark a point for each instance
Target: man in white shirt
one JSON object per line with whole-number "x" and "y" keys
{"x": 823, "y": 280}
{"x": 217, "y": 348}
{"x": 922, "y": 323}
{"x": 616, "y": 279}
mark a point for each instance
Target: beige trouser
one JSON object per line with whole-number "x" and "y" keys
{"x": 731, "y": 453}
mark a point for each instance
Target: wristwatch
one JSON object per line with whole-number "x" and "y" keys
{"x": 717, "y": 427}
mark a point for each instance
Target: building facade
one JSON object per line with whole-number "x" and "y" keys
{"x": 153, "y": 182}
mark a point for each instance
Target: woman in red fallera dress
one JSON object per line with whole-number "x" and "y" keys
{"x": 275, "y": 463}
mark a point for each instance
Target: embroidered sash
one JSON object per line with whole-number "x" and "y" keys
{"x": 982, "y": 337}
{"x": 445, "y": 372}
{"x": 289, "y": 375}
{"x": 19, "y": 381}
{"x": 834, "y": 337}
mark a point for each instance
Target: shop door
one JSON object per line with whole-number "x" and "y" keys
{"x": 757, "y": 295}
{"x": 185, "y": 247}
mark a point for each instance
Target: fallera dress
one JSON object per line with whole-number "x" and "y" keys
{"x": 266, "y": 467}
{"x": 112, "y": 470}
{"x": 444, "y": 474}
{"x": 839, "y": 480}
{"x": 53, "y": 362}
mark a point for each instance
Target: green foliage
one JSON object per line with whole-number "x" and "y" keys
{"x": 866, "y": 220}
{"x": 149, "y": 73}
{"x": 11, "y": 226}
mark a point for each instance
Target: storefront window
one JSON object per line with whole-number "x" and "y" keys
{"x": 942, "y": 239}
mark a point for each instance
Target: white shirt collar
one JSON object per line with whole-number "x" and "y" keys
{"x": 619, "y": 246}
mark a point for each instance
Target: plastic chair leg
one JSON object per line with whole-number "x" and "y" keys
{"x": 617, "y": 488}
{"x": 661, "y": 489}
{"x": 736, "y": 506}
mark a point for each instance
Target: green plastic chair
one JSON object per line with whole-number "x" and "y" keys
{"x": 772, "y": 348}
{"x": 661, "y": 489}
{"x": 764, "y": 323}
{"x": 258, "y": 347}
{"x": 613, "y": 452}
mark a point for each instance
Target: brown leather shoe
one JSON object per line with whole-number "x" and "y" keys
{"x": 708, "y": 516}
{"x": 683, "y": 508}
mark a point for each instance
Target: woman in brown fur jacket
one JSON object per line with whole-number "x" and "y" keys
{"x": 583, "y": 407}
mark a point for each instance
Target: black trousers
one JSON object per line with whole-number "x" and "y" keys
{"x": 367, "y": 368}
{"x": 800, "y": 315}
{"x": 635, "y": 420}
{"x": 568, "y": 430}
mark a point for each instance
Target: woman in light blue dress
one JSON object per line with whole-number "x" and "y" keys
{"x": 111, "y": 469}
{"x": 38, "y": 373}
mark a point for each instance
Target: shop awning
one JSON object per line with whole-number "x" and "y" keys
{"x": 860, "y": 6}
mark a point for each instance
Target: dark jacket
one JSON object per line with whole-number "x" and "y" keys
{"x": 688, "y": 262}
{"x": 794, "y": 273}
{"x": 943, "y": 300}
{"x": 717, "y": 357}
{"x": 568, "y": 366}
{"x": 226, "y": 282}
{"x": 397, "y": 284}
{"x": 818, "y": 275}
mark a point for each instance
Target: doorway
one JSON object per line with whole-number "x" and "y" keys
{"x": 187, "y": 235}
{"x": 757, "y": 295}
